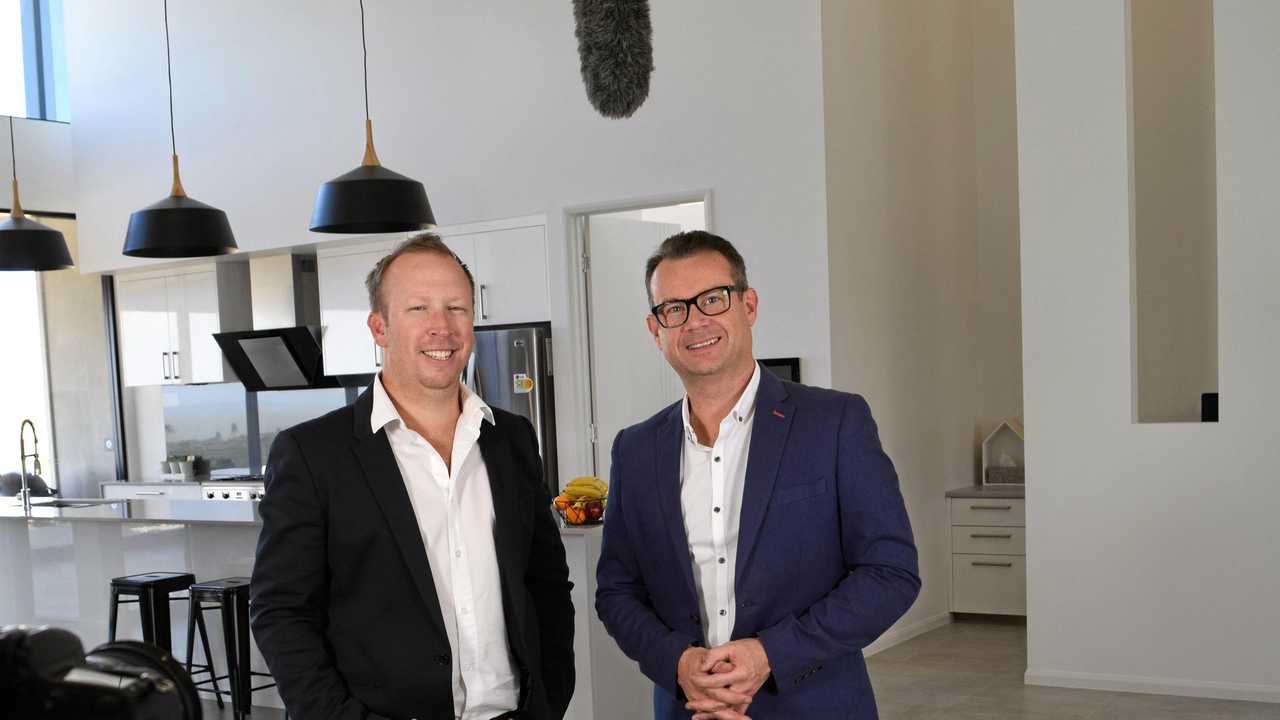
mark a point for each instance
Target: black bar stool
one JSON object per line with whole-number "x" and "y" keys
{"x": 153, "y": 592}
{"x": 231, "y": 597}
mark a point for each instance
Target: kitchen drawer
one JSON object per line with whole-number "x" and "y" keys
{"x": 988, "y": 540}
{"x": 151, "y": 492}
{"x": 994, "y": 584}
{"x": 971, "y": 511}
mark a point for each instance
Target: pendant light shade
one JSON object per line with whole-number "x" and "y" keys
{"x": 24, "y": 243}
{"x": 177, "y": 226}
{"x": 371, "y": 198}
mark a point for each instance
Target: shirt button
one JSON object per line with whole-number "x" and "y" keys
{"x": 457, "y": 553}
{"x": 723, "y": 613}
{"x": 716, "y": 509}
{"x": 717, "y": 458}
{"x": 721, "y": 561}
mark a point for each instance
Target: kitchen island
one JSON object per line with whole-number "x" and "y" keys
{"x": 58, "y": 564}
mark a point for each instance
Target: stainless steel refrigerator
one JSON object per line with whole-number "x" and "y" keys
{"x": 511, "y": 369}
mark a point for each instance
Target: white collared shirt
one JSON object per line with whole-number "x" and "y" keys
{"x": 454, "y": 508}
{"x": 711, "y": 483}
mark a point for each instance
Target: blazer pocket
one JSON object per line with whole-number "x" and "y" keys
{"x": 799, "y": 491}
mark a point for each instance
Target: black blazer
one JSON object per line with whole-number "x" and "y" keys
{"x": 343, "y": 604}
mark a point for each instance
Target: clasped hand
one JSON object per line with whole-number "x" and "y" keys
{"x": 720, "y": 683}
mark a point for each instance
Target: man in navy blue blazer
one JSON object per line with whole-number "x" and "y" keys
{"x": 755, "y": 539}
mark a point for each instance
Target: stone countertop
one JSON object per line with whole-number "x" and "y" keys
{"x": 989, "y": 491}
{"x": 190, "y": 512}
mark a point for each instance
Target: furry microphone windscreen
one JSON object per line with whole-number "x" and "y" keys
{"x": 616, "y": 48}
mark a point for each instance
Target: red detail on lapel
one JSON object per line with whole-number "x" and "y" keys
{"x": 775, "y": 412}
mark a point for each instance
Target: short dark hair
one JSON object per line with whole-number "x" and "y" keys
{"x": 421, "y": 243}
{"x": 689, "y": 243}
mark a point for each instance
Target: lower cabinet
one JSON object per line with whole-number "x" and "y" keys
{"x": 151, "y": 491}
{"x": 988, "y": 560}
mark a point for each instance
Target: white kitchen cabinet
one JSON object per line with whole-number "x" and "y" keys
{"x": 345, "y": 339}
{"x": 988, "y": 551}
{"x": 167, "y": 321}
{"x": 507, "y": 259}
{"x": 510, "y": 269}
{"x": 142, "y": 306}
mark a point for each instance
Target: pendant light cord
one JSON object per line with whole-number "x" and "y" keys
{"x": 13, "y": 154}
{"x": 364, "y": 46}
{"x": 168, "y": 60}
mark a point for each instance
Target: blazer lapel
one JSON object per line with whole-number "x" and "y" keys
{"x": 667, "y": 481}
{"x": 769, "y": 432}
{"x": 373, "y": 451}
{"x": 504, "y": 474}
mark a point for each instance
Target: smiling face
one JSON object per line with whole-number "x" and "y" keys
{"x": 704, "y": 346}
{"x": 425, "y": 326}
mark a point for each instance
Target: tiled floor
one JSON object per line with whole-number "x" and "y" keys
{"x": 973, "y": 669}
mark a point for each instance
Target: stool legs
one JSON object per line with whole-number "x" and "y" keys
{"x": 146, "y": 613}
{"x": 111, "y": 621}
{"x": 160, "y": 616}
{"x": 233, "y": 663}
{"x": 195, "y": 619}
{"x": 242, "y": 652}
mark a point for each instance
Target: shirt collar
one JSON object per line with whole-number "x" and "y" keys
{"x": 474, "y": 410}
{"x": 740, "y": 413}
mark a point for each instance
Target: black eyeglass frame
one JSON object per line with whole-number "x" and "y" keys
{"x": 692, "y": 302}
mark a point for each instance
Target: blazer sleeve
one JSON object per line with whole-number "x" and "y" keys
{"x": 622, "y": 600}
{"x": 288, "y": 591}
{"x": 547, "y": 580}
{"x": 882, "y": 578}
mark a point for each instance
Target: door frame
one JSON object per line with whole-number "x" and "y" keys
{"x": 579, "y": 290}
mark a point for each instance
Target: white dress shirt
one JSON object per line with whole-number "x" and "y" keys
{"x": 454, "y": 508}
{"x": 711, "y": 482}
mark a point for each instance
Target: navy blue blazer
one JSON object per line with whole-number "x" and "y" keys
{"x": 826, "y": 560}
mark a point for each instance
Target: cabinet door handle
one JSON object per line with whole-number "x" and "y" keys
{"x": 148, "y": 492}
{"x": 484, "y": 314}
{"x": 992, "y": 536}
{"x": 164, "y": 364}
{"x": 176, "y": 365}
{"x": 990, "y": 507}
{"x": 980, "y": 563}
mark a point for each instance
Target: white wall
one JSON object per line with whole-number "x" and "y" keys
{"x": 1151, "y": 548}
{"x": 45, "y": 171}
{"x": 923, "y": 243}
{"x": 481, "y": 101}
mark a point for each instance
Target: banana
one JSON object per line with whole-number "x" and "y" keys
{"x": 587, "y": 487}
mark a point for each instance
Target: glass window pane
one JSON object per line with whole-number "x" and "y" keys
{"x": 13, "y": 84}
{"x": 24, "y": 383}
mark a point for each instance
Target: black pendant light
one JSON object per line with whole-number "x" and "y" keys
{"x": 177, "y": 226}
{"x": 371, "y": 198}
{"x": 26, "y": 244}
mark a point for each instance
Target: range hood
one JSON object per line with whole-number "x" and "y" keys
{"x": 282, "y": 351}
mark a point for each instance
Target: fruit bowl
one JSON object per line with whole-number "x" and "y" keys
{"x": 583, "y": 501}
{"x": 581, "y": 512}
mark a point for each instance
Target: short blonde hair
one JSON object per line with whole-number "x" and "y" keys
{"x": 421, "y": 243}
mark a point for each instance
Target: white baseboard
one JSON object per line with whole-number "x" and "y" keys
{"x": 1154, "y": 685}
{"x": 900, "y": 634}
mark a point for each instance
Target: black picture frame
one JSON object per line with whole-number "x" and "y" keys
{"x": 787, "y": 368}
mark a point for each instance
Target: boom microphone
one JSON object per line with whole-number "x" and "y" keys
{"x": 616, "y": 48}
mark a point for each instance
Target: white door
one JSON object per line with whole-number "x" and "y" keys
{"x": 145, "y": 354}
{"x": 630, "y": 378}
{"x": 347, "y": 345}
{"x": 512, "y": 276}
{"x": 200, "y": 357}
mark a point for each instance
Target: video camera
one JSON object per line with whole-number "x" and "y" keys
{"x": 44, "y": 673}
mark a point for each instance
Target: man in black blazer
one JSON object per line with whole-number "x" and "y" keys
{"x": 408, "y": 565}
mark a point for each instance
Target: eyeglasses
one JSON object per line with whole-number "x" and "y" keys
{"x": 716, "y": 301}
